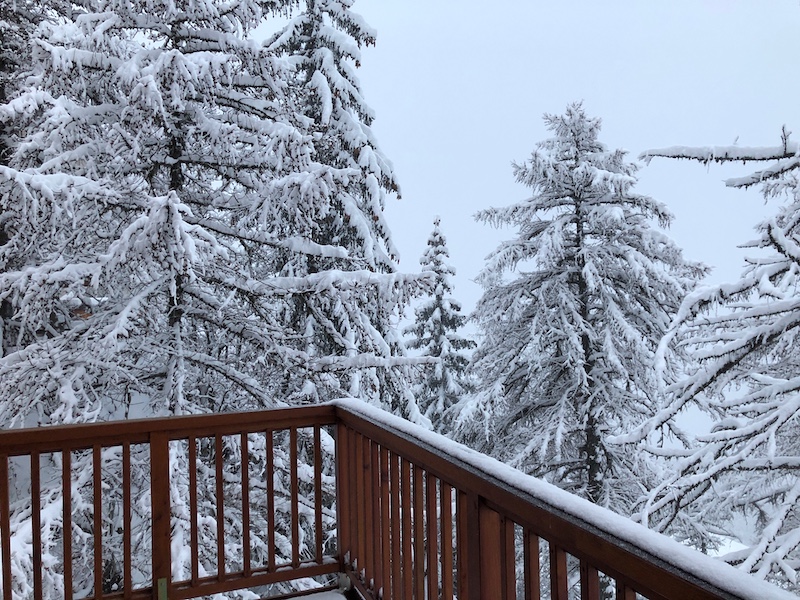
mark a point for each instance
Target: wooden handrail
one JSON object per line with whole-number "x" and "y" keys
{"x": 412, "y": 521}
{"x": 54, "y": 438}
{"x": 497, "y": 535}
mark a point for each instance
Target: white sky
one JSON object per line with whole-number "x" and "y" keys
{"x": 459, "y": 88}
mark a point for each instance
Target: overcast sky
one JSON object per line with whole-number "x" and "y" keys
{"x": 459, "y": 88}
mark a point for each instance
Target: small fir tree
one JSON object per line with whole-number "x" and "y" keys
{"x": 566, "y": 357}
{"x": 435, "y": 333}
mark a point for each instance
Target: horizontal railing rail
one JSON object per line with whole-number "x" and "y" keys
{"x": 17, "y": 442}
{"x": 184, "y": 507}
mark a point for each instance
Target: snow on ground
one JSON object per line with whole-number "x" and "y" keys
{"x": 716, "y": 572}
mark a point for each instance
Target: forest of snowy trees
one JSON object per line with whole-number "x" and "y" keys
{"x": 193, "y": 221}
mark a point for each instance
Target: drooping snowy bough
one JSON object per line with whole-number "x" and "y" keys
{"x": 745, "y": 337}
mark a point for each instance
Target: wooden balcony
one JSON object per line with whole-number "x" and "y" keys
{"x": 340, "y": 494}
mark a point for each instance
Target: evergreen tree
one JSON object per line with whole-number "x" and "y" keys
{"x": 330, "y": 97}
{"x": 435, "y": 333}
{"x": 165, "y": 183}
{"x": 566, "y": 357}
{"x": 745, "y": 336}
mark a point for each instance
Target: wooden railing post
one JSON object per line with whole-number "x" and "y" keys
{"x": 161, "y": 511}
{"x": 343, "y": 494}
{"x": 532, "y": 567}
{"x": 490, "y": 548}
{"x": 590, "y": 582}
{"x": 559, "y": 578}
{"x": 469, "y": 547}
{"x": 5, "y": 528}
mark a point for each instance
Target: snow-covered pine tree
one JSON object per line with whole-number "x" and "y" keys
{"x": 566, "y": 357}
{"x": 324, "y": 40}
{"x": 745, "y": 336}
{"x": 164, "y": 169}
{"x": 436, "y": 333}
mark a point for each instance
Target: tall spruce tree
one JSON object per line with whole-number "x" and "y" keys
{"x": 339, "y": 119}
{"x": 435, "y": 333}
{"x": 566, "y": 357}
{"x": 741, "y": 478}
{"x": 165, "y": 180}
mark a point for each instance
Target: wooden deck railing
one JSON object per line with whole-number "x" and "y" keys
{"x": 410, "y": 523}
{"x": 200, "y": 444}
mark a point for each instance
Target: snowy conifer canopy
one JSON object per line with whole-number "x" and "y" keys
{"x": 323, "y": 41}
{"x": 744, "y": 335}
{"x": 572, "y": 312}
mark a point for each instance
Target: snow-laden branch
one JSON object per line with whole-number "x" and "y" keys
{"x": 722, "y": 154}
{"x": 786, "y": 245}
{"x": 331, "y": 280}
{"x": 294, "y": 244}
{"x": 784, "y": 159}
{"x": 773, "y": 171}
{"x": 251, "y": 385}
{"x": 366, "y": 360}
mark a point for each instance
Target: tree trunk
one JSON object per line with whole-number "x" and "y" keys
{"x": 592, "y": 448}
